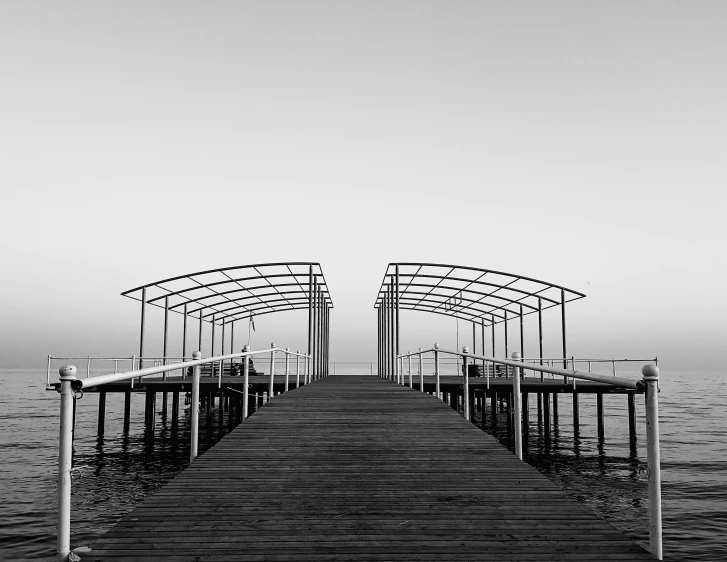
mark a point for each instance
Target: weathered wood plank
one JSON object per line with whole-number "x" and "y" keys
{"x": 357, "y": 468}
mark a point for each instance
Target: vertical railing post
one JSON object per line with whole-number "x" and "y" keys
{"x": 65, "y": 461}
{"x": 142, "y": 327}
{"x": 436, "y": 370}
{"x": 297, "y": 369}
{"x": 653, "y": 455}
{"x": 287, "y": 367}
{"x": 516, "y": 402}
{"x": 245, "y": 381}
{"x": 411, "y": 383}
{"x": 421, "y": 372}
{"x": 47, "y": 374}
{"x": 272, "y": 371}
{"x": 194, "y": 408}
{"x": 466, "y": 384}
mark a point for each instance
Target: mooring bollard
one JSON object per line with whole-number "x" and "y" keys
{"x": 194, "y": 408}
{"x": 436, "y": 370}
{"x": 245, "y": 382}
{"x": 272, "y": 371}
{"x": 465, "y": 384}
{"x": 516, "y": 402}
{"x": 65, "y": 459}
{"x": 653, "y": 455}
{"x": 287, "y": 367}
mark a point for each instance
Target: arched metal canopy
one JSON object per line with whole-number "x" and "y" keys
{"x": 469, "y": 293}
{"x": 233, "y": 293}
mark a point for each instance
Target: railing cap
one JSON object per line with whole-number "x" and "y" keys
{"x": 196, "y": 355}
{"x": 516, "y": 355}
{"x": 68, "y": 372}
{"x": 650, "y": 372}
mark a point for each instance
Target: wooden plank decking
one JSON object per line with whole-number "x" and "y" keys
{"x": 358, "y": 468}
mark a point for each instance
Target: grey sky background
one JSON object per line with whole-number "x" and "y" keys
{"x": 582, "y": 143}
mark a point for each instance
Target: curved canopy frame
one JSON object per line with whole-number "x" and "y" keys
{"x": 233, "y": 293}
{"x": 483, "y": 296}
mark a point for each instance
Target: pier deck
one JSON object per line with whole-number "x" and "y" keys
{"x": 358, "y": 468}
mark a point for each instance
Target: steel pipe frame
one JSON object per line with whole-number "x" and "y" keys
{"x": 195, "y": 284}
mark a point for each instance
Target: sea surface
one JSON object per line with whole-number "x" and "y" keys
{"x": 116, "y": 472}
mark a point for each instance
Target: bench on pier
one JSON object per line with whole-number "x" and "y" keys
{"x": 490, "y": 370}
{"x": 229, "y": 369}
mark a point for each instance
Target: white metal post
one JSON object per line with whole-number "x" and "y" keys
{"x": 516, "y": 402}
{"x": 466, "y": 384}
{"x": 47, "y": 374}
{"x": 272, "y": 371}
{"x": 436, "y": 369}
{"x": 245, "y": 381}
{"x": 287, "y": 367}
{"x": 411, "y": 384}
{"x": 653, "y": 455}
{"x": 421, "y": 372}
{"x": 65, "y": 459}
{"x": 194, "y": 408}
{"x": 297, "y": 369}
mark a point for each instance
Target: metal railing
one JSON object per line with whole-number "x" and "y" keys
{"x": 70, "y": 385}
{"x": 648, "y": 384}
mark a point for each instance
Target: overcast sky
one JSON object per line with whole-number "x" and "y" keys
{"x": 582, "y": 143}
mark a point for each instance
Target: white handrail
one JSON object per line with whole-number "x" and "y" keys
{"x": 70, "y": 385}
{"x": 649, "y": 384}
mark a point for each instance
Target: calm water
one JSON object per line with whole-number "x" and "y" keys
{"x": 116, "y": 472}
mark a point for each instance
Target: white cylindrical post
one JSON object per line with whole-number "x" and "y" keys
{"x": 436, "y": 370}
{"x": 297, "y": 369}
{"x": 245, "y": 381}
{"x": 307, "y": 370}
{"x": 517, "y": 424}
{"x": 411, "y": 384}
{"x": 65, "y": 460}
{"x": 194, "y": 408}
{"x": 653, "y": 455}
{"x": 88, "y": 367}
{"x": 421, "y": 372}
{"x": 466, "y": 384}
{"x": 272, "y": 371}
{"x": 47, "y": 374}
{"x": 287, "y": 367}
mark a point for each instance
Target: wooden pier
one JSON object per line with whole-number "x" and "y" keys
{"x": 359, "y": 468}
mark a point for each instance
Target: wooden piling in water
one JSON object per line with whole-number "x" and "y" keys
{"x": 599, "y": 408}
{"x": 127, "y": 410}
{"x": 101, "y": 411}
{"x": 632, "y": 417}
{"x": 546, "y": 415}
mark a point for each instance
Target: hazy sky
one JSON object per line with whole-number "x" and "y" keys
{"x": 578, "y": 142}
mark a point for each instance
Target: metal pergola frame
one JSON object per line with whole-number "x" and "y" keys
{"x": 484, "y": 297}
{"x": 225, "y": 295}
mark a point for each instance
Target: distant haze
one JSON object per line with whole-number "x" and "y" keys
{"x": 581, "y": 143}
